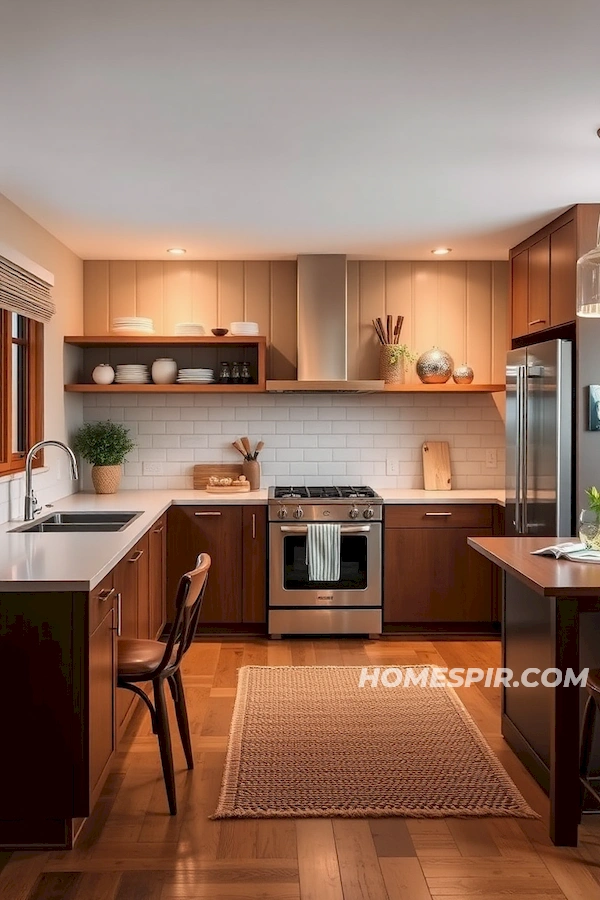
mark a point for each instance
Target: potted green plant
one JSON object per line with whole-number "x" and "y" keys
{"x": 589, "y": 520}
{"x": 392, "y": 362}
{"x": 105, "y": 445}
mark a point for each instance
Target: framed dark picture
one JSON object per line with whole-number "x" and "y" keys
{"x": 594, "y": 408}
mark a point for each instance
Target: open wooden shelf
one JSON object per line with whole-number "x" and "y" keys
{"x": 170, "y": 340}
{"x": 252, "y": 348}
{"x": 447, "y": 388}
{"x": 164, "y": 388}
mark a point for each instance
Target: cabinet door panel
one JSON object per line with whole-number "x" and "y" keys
{"x": 519, "y": 293}
{"x": 563, "y": 268}
{"x": 126, "y": 585}
{"x": 433, "y": 576}
{"x": 539, "y": 286}
{"x": 101, "y": 698}
{"x": 142, "y": 566}
{"x": 254, "y": 585}
{"x": 216, "y": 530}
{"x": 157, "y": 585}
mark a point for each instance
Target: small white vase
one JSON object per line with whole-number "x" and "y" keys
{"x": 164, "y": 371}
{"x": 103, "y": 374}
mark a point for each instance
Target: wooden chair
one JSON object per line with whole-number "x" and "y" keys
{"x": 155, "y": 661}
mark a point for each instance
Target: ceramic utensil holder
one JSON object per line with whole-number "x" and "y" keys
{"x": 251, "y": 469}
{"x": 391, "y": 372}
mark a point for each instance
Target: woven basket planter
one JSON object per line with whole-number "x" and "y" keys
{"x": 391, "y": 372}
{"x": 106, "y": 479}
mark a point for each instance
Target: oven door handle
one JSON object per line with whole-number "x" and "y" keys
{"x": 345, "y": 529}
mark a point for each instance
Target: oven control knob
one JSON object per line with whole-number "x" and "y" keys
{"x": 369, "y": 512}
{"x": 282, "y": 513}
{"x": 353, "y": 513}
{"x": 298, "y": 513}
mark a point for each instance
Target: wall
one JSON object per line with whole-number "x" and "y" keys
{"x": 588, "y": 372}
{"x": 61, "y": 414}
{"x": 460, "y": 306}
{"x": 309, "y": 438}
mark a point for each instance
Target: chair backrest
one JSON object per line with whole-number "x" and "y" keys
{"x": 188, "y": 603}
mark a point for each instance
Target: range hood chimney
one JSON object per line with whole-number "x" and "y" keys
{"x": 322, "y": 327}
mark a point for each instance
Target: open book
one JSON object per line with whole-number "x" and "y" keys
{"x": 570, "y": 550}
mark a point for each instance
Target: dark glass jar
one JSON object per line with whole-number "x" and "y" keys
{"x": 246, "y": 374}
{"x": 225, "y": 373}
{"x": 236, "y": 375}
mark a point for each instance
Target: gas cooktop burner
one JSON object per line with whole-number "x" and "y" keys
{"x": 326, "y": 492}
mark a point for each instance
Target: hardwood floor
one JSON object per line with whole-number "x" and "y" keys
{"x": 131, "y": 849}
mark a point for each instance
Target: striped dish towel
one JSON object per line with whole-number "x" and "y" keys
{"x": 323, "y": 546}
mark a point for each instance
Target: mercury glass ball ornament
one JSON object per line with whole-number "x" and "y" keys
{"x": 463, "y": 374}
{"x": 435, "y": 366}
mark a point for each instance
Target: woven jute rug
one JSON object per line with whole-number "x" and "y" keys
{"x": 307, "y": 741}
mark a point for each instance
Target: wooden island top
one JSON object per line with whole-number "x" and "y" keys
{"x": 545, "y": 575}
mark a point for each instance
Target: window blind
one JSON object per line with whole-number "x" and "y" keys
{"x": 24, "y": 292}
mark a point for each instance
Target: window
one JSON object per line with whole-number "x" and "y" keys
{"x": 21, "y": 394}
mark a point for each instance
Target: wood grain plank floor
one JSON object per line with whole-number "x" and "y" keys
{"x": 130, "y": 848}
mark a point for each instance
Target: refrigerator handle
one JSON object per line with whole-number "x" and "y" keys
{"x": 524, "y": 444}
{"x": 519, "y": 451}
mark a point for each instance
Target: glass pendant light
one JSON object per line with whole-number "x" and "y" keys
{"x": 588, "y": 282}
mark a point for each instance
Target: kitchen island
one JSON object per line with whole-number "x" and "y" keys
{"x": 544, "y": 602}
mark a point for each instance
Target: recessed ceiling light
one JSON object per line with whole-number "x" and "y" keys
{"x": 441, "y": 251}
{"x": 176, "y": 251}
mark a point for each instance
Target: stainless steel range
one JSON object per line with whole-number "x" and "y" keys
{"x": 350, "y": 605}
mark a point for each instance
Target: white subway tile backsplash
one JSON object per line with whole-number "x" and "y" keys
{"x": 309, "y": 438}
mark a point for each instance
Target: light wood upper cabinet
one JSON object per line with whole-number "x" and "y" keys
{"x": 457, "y": 304}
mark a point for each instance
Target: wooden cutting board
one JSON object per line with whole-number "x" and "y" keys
{"x": 436, "y": 466}
{"x": 221, "y": 470}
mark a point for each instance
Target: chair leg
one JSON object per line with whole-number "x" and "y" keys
{"x": 587, "y": 738}
{"x": 176, "y": 685}
{"x": 164, "y": 742}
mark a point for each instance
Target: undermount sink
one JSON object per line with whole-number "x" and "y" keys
{"x": 67, "y": 522}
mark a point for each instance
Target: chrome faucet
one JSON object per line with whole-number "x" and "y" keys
{"x": 31, "y": 504}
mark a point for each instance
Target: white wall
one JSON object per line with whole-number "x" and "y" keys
{"x": 60, "y": 418}
{"x": 309, "y": 438}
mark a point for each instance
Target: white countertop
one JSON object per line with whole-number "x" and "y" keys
{"x": 78, "y": 562}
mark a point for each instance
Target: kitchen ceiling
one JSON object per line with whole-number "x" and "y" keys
{"x": 255, "y": 128}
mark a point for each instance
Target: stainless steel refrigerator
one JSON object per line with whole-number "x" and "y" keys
{"x": 539, "y": 440}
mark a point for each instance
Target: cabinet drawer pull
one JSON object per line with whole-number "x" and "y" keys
{"x": 137, "y": 555}
{"x": 438, "y": 514}
{"x": 105, "y": 594}
{"x": 208, "y": 514}
{"x": 159, "y": 529}
{"x": 253, "y": 526}
{"x": 538, "y": 322}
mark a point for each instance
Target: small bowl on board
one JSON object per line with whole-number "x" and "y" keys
{"x": 219, "y": 332}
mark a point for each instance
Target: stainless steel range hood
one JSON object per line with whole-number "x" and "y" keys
{"x": 322, "y": 327}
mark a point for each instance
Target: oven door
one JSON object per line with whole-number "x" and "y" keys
{"x": 360, "y": 570}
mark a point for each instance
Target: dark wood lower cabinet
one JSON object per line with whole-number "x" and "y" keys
{"x": 62, "y": 710}
{"x": 235, "y": 537}
{"x": 432, "y": 578}
{"x": 254, "y": 578}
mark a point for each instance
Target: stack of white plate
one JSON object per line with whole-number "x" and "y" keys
{"x": 132, "y": 325}
{"x": 247, "y": 328}
{"x": 196, "y": 376}
{"x": 189, "y": 328}
{"x": 133, "y": 374}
